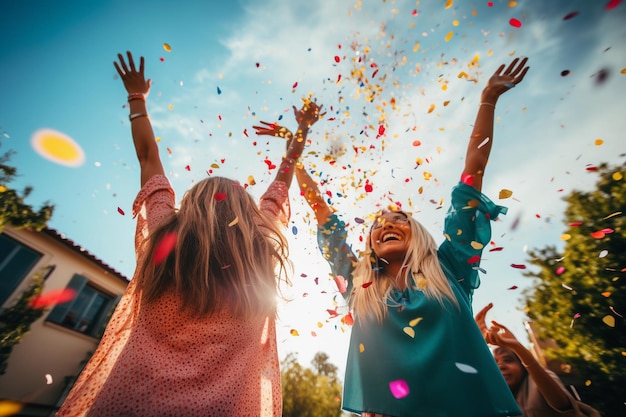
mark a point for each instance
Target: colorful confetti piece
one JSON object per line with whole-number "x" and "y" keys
{"x": 164, "y": 247}
{"x": 399, "y": 388}
{"x": 57, "y": 147}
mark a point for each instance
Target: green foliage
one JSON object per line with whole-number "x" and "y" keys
{"x": 581, "y": 292}
{"x": 310, "y": 392}
{"x": 16, "y": 320}
{"x": 13, "y": 210}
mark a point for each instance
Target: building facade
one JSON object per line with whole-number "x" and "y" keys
{"x": 45, "y": 364}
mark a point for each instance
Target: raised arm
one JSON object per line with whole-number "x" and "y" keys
{"x": 499, "y": 335}
{"x": 143, "y": 136}
{"x": 312, "y": 195}
{"x": 479, "y": 146}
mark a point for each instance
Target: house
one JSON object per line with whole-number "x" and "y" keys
{"x": 44, "y": 365}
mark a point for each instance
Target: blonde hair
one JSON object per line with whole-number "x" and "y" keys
{"x": 226, "y": 254}
{"x": 420, "y": 269}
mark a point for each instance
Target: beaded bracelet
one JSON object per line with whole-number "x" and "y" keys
{"x": 136, "y": 115}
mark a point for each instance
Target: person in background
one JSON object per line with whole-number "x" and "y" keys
{"x": 415, "y": 349}
{"x": 539, "y": 392}
{"x": 194, "y": 334}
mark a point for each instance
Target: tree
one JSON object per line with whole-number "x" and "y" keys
{"x": 310, "y": 392}
{"x": 13, "y": 210}
{"x": 579, "y": 299}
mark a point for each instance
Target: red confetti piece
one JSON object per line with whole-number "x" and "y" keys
{"x": 120, "y": 211}
{"x": 368, "y": 188}
{"x": 575, "y": 224}
{"x": 513, "y": 287}
{"x": 612, "y": 4}
{"x": 570, "y": 15}
{"x": 164, "y": 247}
{"x": 294, "y": 85}
{"x": 496, "y": 249}
{"x": 333, "y": 313}
{"x": 348, "y": 319}
{"x": 381, "y": 130}
{"x": 518, "y": 266}
{"x": 53, "y": 297}
{"x": 337, "y": 59}
{"x": 188, "y": 167}
{"x": 489, "y": 4}
{"x": 367, "y": 284}
{"x": 245, "y": 132}
{"x": 269, "y": 163}
{"x": 591, "y": 169}
{"x": 515, "y": 23}
{"x": 560, "y": 270}
{"x": 219, "y": 196}
{"x": 473, "y": 259}
{"x": 162, "y": 59}
{"x": 416, "y": 143}
{"x": 598, "y": 235}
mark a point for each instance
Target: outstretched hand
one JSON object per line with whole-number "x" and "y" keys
{"x": 504, "y": 79}
{"x": 273, "y": 129}
{"x": 480, "y": 319}
{"x": 499, "y": 335}
{"x": 134, "y": 80}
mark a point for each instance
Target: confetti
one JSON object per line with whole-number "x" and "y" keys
{"x": 120, "y": 211}
{"x": 466, "y": 368}
{"x": 399, "y": 388}
{"x": 504, "y": 193}
{"x": 560, "y": 270}
{"x": 483, "y": 143}
{"x": 219, "y": 196}
{"x": 164, "y": 247}
{"x": 234, "y": 222}
{"x": 49, "y": 379}
{"x": 219, "y": 90}
{"x": 612, "y": 4}
{"x": 341, "y": 283}
{"x": 570, "y": 15}
{"x": 294, "y": 332}
{"x": 415, "y": 321}
{"x": 515, "y": 23}
{"x": 57, "y": 147}
{"x": 53, "y": 297}
{"x": 167, "y": 47}
{"x": 518, "y": 266}
{"x": 609, "y": 320}
{"x": 409, "y": 331}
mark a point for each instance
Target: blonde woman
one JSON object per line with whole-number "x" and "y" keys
{"x": 194, "y": 334}
{"x": 415, "y": 349}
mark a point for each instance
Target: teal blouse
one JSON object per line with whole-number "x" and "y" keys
{"x": 437, "y": 353}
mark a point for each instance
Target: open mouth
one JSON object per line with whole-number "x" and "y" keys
{"x": 387, "y": 237}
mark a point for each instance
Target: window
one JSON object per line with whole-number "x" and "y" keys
{"x": 88, "y": 312}
{"x": 16, "y": 261}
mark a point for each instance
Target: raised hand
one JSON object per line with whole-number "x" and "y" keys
{"x": 134, "y": 80}
{"x": 499, "y": 335}
{"x": 308, "y": 114}
{"x": 273, "y": 129}
{"x": 480, "y": 319}
{"x": 504, "y": 79}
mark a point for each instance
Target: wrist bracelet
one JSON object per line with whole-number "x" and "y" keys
{"x": 136, "y": 115}
{"x": 290, "y": 160}
{"x": 140, "y": 95}
{"x": 488, "y": 104}
{"x": 131, "y": 98}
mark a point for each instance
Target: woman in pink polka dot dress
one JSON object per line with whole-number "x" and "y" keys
{"x": 194, "y": 334}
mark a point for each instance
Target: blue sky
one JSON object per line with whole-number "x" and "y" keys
{"x": 235, "y": 63}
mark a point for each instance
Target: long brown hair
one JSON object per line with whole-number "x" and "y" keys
{"x": 228, "y": 253}
{"x": 421, "y": 269}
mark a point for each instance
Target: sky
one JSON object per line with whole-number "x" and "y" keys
{"x": 400, "y": 81}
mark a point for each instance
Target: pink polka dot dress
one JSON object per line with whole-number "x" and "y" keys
{"x": 156, "y": 361}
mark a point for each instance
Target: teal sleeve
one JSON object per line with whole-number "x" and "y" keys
{"x": 332, "y": 241}
{"x": 467, "y": 231}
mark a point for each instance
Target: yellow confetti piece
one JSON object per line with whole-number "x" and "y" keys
{"x": 320, "y": 324}
{"x": 167, "y": 47}
{"x": 431, "y": 108}
{"x": 214, "y": 165}
{"x": 251, "y": 180}
{"x": 234, "y": 222}
{"x": 617, "y": 213}
{"x": 58, "y": 147}
{"x": 416, "y": 47}
{"x": 415, "y": 321}
{"x": 449, "y": 36}
{"x": 477, "y": 245}
{"x": 623, "y": 71}
{"x": 504, "y": 193}
{"x": 409, "y": 331}
{"x": 512, "y": 3}
{"x": 449, "y": 3}
{"x": 9, "y": 408}
{"x": 609, "y": 320}
{"x": 294, "y": 332}
{"x": 455, "y": 22}
{"x": 598, "y": 142}
{"x": 361, "y": 348}
{"x": 617, "y": 176}
{"x": 171, "y": 107}
{"x": 587, "y": 382}
{"x": 3, "y": 188}
{"x": 606, "y": 294}
{"x": 566, "y": 236}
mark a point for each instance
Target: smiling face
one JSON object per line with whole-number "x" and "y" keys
{"x": 511, "y": 368}
{"x": 391, "y": 235}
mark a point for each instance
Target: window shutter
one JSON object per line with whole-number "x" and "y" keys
{"x": 58, "y": 313}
